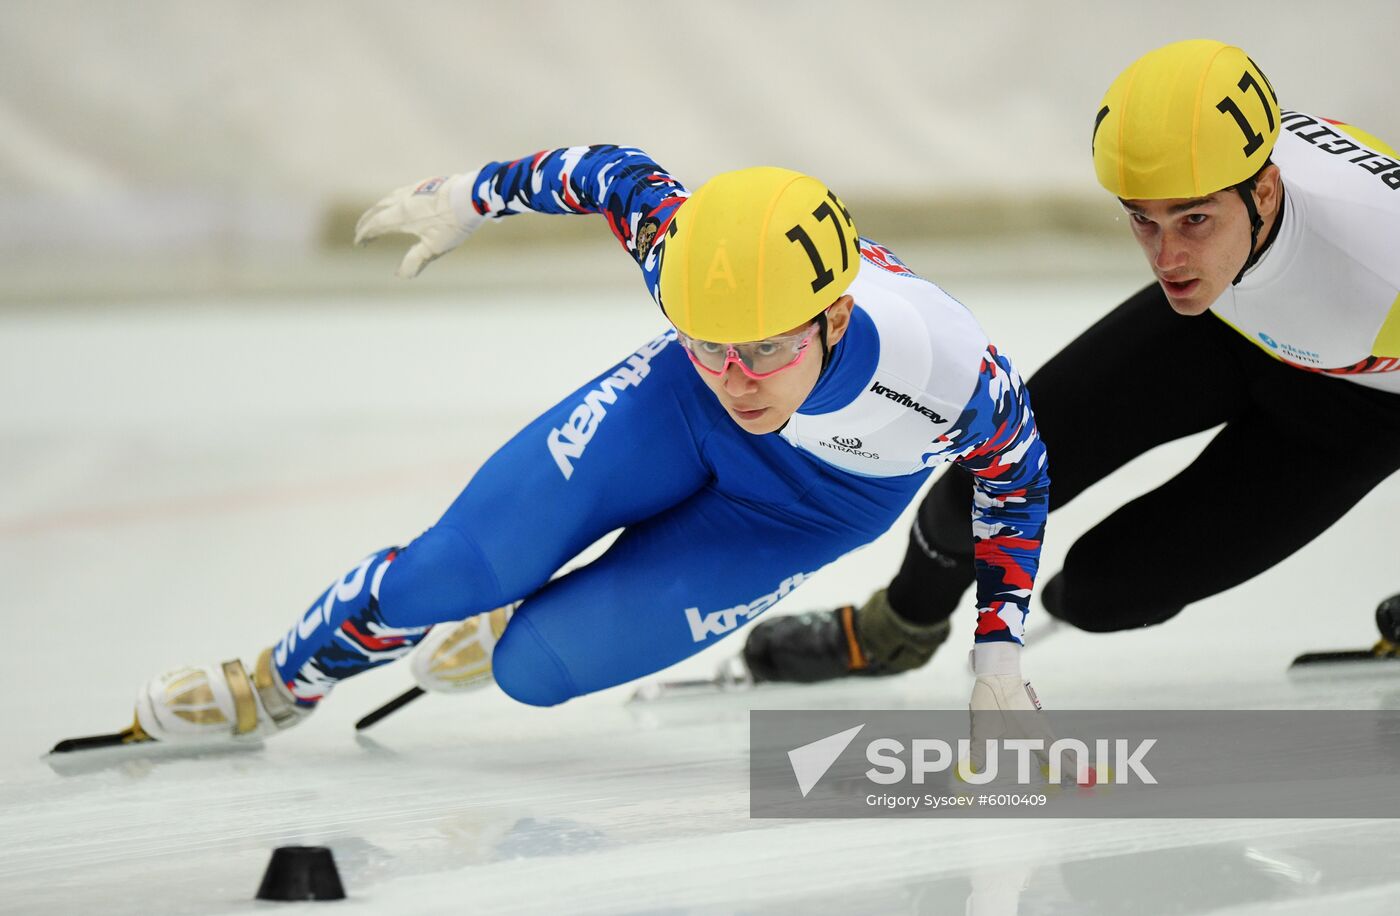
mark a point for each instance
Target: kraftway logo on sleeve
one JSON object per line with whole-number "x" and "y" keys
{"x": 900, "y": 397}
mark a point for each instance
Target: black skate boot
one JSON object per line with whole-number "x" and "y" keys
{"x": 823, "y": 645}
{"x": 1388, "y": 622}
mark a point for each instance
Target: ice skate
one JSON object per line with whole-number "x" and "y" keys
{"x": 1386, "y": 650}
{"x": 217, "y": 703}
{"x": 813, "y": 646}
{"x": 816, "y": 646}
{"x": 452, "y": 658}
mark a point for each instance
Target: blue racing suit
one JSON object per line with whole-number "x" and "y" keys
{"x": 717, "y": 524}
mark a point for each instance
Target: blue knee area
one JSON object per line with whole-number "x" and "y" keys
{"x": 527, "y": 670}
{"x": 443, "y": 575}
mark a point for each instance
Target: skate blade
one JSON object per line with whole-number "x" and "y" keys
{"x": 1345, "y": 667}
{"x": 732, "y": 677}
{"x": 138, "y": 758}
{"x": 389, "y": 708}
{"x": 132, "y": 734}
{"x": 1380, "y": 657}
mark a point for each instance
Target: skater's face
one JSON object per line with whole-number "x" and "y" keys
{"x": 1197, "y": 245}
{"x": 763, "y": 405}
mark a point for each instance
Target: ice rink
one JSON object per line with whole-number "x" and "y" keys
{"x": 179, "y": 480}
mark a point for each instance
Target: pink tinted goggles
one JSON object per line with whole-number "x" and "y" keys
{"x": 758, "y": 359}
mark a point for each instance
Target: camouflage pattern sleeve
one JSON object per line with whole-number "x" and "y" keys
{"x": 996, "y": 440}
{"x": 635, "y": 195}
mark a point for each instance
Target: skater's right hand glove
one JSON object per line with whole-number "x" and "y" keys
{"x": 1003, "y": 704}
{"x": 438, "y": 211}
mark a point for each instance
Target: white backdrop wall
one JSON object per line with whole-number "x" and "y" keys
{"x": 171, "y": 124}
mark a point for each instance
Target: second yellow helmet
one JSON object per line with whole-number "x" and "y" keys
{"x": 1186, "y": 120}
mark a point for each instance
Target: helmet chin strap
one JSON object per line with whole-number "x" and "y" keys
{"x": 1246, "y": 192}
{"x": 826, "y": 350}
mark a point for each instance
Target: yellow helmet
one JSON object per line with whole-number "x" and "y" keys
{"x": 1185, "y": 120}
{"x": 755, "y": 253}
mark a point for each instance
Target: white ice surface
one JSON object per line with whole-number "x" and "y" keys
{"x": 177, "y": 483}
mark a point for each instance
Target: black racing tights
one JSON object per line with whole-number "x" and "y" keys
{"x": 1296, "y": 451}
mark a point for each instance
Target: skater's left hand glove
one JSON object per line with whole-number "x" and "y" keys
{"x": 1003, "y": 704}
{"x": 438, "y": 211}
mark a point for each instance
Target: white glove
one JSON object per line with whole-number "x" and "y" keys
{"x": 999, "y": 684}
{"x": 1003, "y": 703}
{"x": 438, "y": 211}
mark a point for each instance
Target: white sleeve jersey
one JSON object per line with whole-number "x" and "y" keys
{"x": 911, "y": 365}
{"x": 1325, "y": 296}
